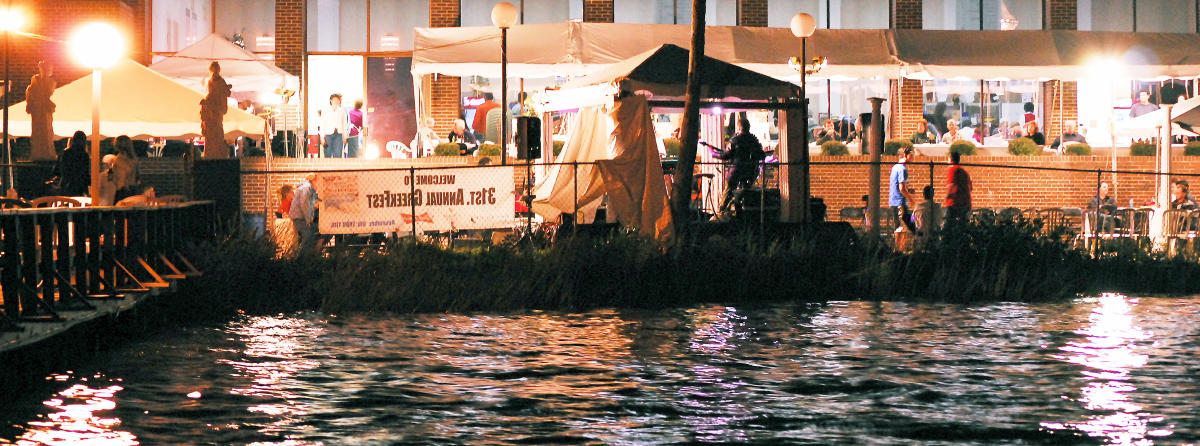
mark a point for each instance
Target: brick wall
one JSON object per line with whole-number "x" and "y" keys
{"x": 444, "y": 91}
{"x": 752, "y": 12}
{"x": 600, "y": 11}
{"x": 57, "y": 20}
{"x": 906, "y": 14}
{"x": 1061, "y": 14}
{"x": 995, "y": 187}
{"x": 168, "y": 176}
{"x": 291, "y": 37}
{"x": 1052, "y": 121}
{"x": 907, "y": 107}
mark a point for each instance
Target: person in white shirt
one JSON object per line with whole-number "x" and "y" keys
{"x": 333, "y": 126}
{"x": 953, "y": 133}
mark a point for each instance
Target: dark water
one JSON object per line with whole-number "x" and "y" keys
{"x": 1106, "y": 370}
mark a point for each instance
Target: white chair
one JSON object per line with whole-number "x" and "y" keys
{"x": 397, "y": 149}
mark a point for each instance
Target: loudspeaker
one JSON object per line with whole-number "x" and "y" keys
{"x": 529, "y": 137}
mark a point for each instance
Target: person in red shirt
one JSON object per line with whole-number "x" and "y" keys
{"x": 958, "y": 193}
{"x": 479, "y": 124}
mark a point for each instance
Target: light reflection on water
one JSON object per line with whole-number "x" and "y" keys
{"x": 1107, "y": 370}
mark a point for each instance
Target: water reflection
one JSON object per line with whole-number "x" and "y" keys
{"x": 1103, "y": 370}
{"x": 1110, "y": 352}
{"x": 79, "y": 419}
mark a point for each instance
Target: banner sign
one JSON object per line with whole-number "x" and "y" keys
{"x": 436, "y": 200}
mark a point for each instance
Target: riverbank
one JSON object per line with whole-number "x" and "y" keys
{"x": 983, "y": 263}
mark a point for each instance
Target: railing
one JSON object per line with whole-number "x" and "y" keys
{"x": 61, "y": 259}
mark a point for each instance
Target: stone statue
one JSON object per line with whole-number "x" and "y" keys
{"x": 41, "y": 112}
{"x": 212, "y": 114}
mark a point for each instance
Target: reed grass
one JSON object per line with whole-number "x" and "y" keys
{"x": 986, "y": 262}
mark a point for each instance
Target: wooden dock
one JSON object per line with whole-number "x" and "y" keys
{"x": 62, "y": 267}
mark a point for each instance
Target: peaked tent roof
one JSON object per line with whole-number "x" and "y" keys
{"x": 242, "y": 69}
{"x": 135, "y": 101}
{"x": 663, "y": 71}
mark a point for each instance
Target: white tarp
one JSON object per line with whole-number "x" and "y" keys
{"x": 559, "y": 190}
{"x": 626, "y": 168}
{"x": 633, "y": 178}
{"x": 243, "y": 70}
{"x": 135, "y": 101}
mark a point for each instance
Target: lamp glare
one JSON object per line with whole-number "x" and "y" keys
{"x": 97, "y": 45}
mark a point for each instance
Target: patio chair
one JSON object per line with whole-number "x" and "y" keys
{"x": 1053, "y": 218}
{"x": 1178, "y": 225}
{"x": 55, "y": 201}
{"x": 851, "y": 213}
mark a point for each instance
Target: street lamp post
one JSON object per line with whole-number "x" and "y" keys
{"x": 504, "y": 16}
{"x": 96, "y": 46}
{"x": 10, "y": 20}
{"x": 803, "y": 25}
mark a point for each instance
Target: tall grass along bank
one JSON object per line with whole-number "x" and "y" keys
{"x": 992, "y": 261}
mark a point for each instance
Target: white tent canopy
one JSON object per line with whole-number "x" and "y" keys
{"x": 573, "y": 48}
{"x": 243, "y": 70}
{"x": 135, "y": 101}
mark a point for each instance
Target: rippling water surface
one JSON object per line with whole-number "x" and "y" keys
{"x": 1104, "y": 370}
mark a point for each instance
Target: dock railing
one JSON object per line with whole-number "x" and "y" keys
{"x": 62, "y": 259}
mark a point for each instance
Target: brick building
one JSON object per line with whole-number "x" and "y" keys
{"x": 367, "y": 43}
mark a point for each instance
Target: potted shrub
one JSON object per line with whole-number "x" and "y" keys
{"x": 1141, "y": 148}
{"x": 1192, "y": 148}
{"x": 447, "y": 149}
{"x": 963, "y": 147}
{"x": 1079, "y": 149}
{"x": 1024, "y": 147}
{"x": 834, "y": 148}
{"x": 892, "y": 146}
{"x": 488, "y": 150}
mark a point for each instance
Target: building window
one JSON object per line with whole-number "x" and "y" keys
{"x": 392, "y": 23}
{"x": 981, "y": 14}
{"x": 479, "y": 12}
{"x": 253, "y": 20}
{"x": 176, "y": 24}
{"x": 831, "y": 14}
{"x": 337, "y": 25}
{"x": 989, "y": 112}
{"x": 717, "y": 12}
{"x": 1165, "y": 16}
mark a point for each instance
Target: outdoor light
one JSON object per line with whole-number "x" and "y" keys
{"x": 504, "y": 16}
{"x": 803, "y": 25}
{"x": 97, "y": 46}
{"x": 10, "y": 20}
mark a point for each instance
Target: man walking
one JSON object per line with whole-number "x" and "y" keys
{"x": 900, "y": 195}
{"x": 304, "y": 200}
{"x": 958, "y": 193}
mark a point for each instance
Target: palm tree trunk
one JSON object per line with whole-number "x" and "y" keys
{"x": 681, "y": 194}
